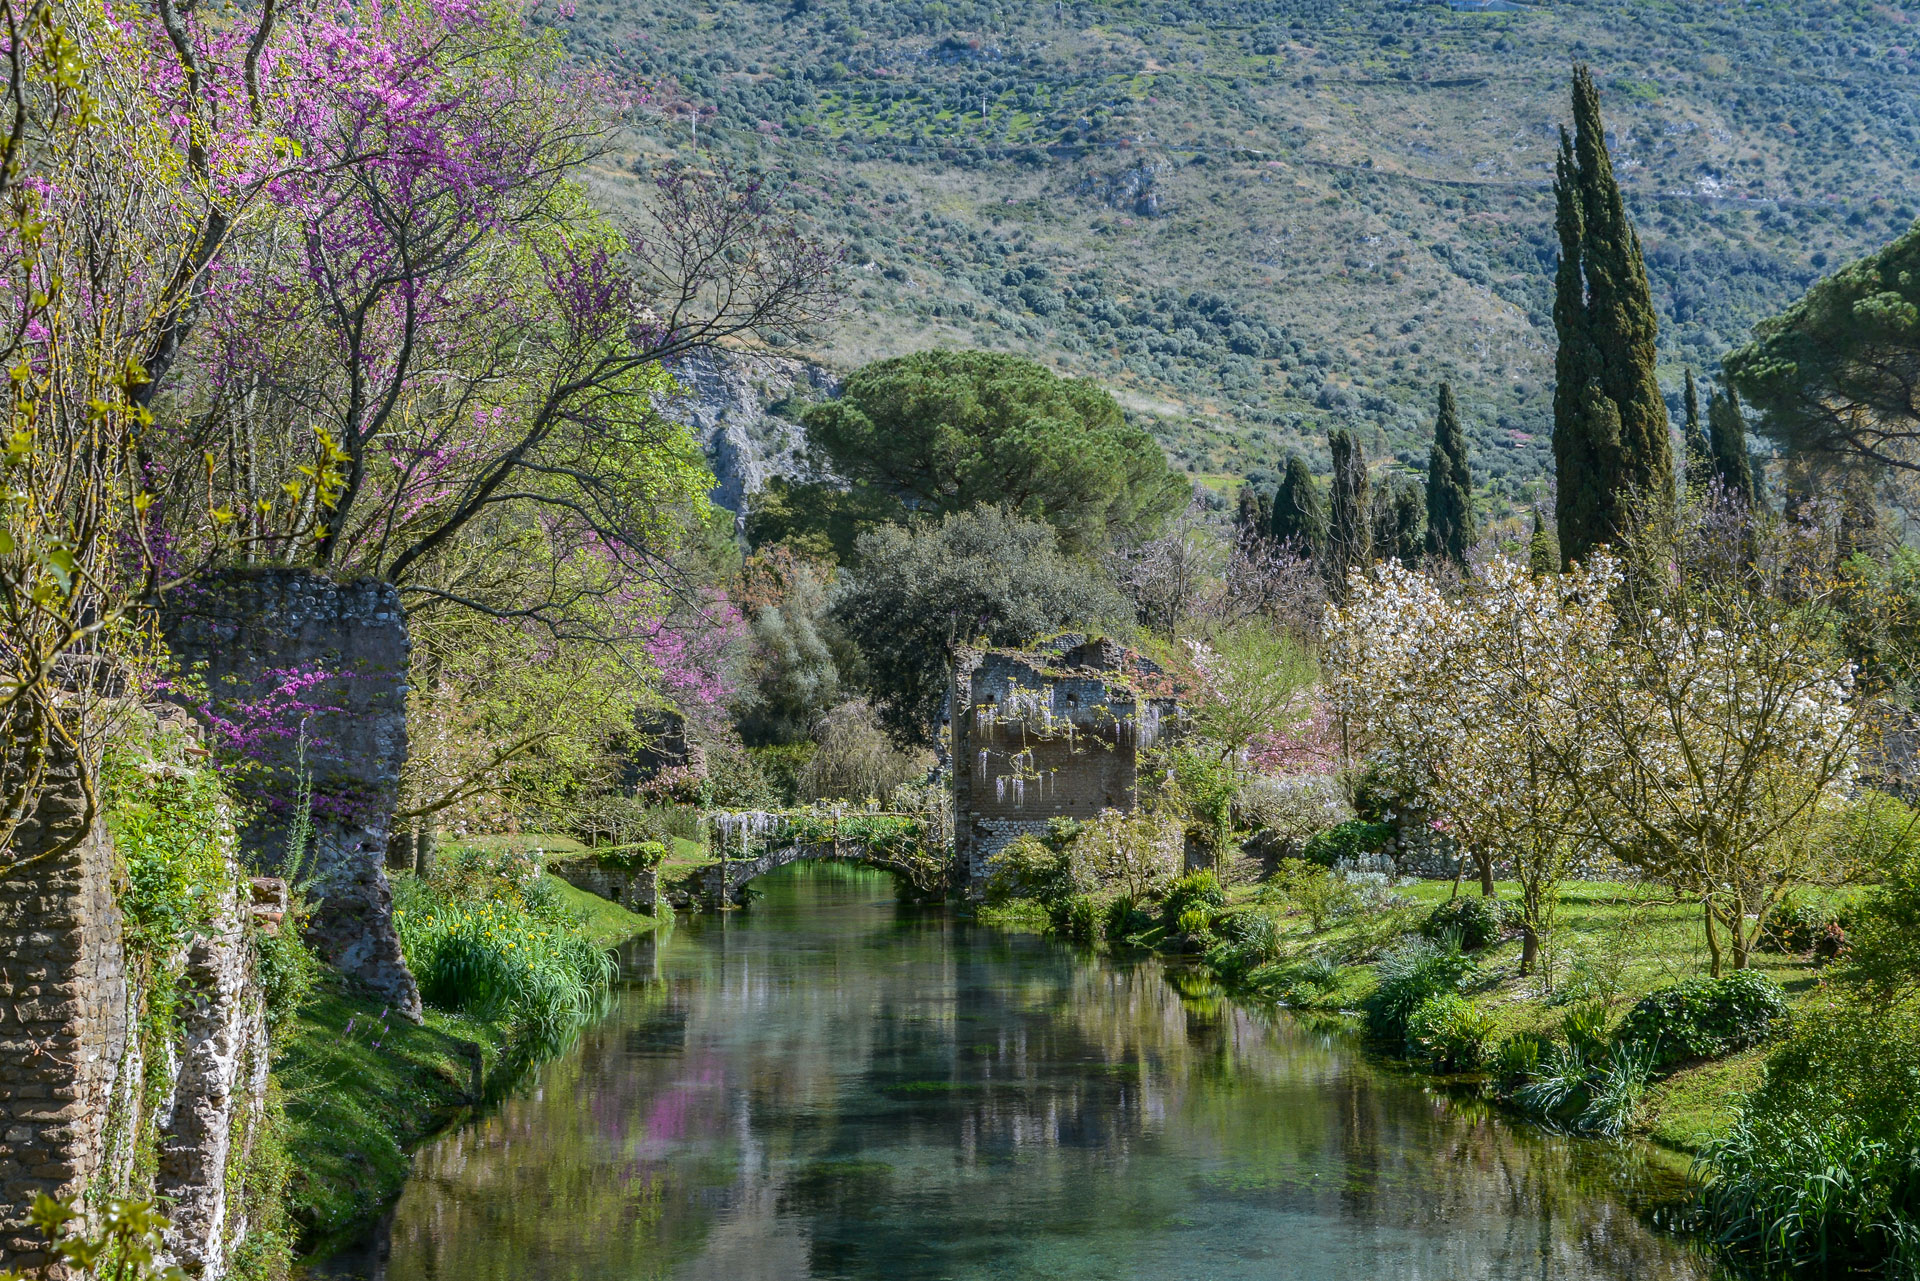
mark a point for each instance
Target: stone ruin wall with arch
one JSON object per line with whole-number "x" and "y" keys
{"x": 1050, "y": 732}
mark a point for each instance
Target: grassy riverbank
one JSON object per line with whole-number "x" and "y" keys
{"x": 1614, "y": 944}
{"x": 362, "y": 1088}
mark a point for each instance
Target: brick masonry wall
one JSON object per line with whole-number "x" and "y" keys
{"x": 240, "y": 628}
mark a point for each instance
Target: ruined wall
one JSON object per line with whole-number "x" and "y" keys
{"x": 75, "y": 1080}
{"x": 637, "y": 890}
{"x": 1044, "y": 735}
{"x": 67, "y": 1054}
{"x": 255, "y": 634}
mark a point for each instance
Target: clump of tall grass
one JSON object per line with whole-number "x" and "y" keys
{"x": 501, "y": 947}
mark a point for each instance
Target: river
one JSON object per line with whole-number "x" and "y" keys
{"x": 833, "y": 1086}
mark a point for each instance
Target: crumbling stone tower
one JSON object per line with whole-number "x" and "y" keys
{"x": 1050, "y": 732}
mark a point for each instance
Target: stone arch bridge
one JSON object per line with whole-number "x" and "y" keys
{"x": 724, "y": 884}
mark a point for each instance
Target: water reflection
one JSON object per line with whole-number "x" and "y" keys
{"x": 831, "y": 1086}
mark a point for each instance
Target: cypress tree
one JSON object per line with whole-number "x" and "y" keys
{"x": 1349, "y": 525}
{"x": 1610, "y": 443}
{"x": 1450, "y": 528}
{"x": 1543, "y": 554}
{"x": 1699, "y": 449}
{"x": 1253, "y": 517}
{"x": 1299, "y": 520}
{"x": 1396, "y": 521}
{"x": 1727, "y": 427}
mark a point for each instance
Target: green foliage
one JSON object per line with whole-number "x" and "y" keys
{"x": 1029, "y": 867}
{"x": 1515, "y": 1058}
{"x": 960, "y": 429}
{"x": 1199, "y": 890}
{"x": 637, "y": 857}
{"x": 1727, "y": 445}
{"x": 1202, "y": 788}
{"x": 1450, "y": 521}
{"x": 816, "y": 520}
{"x": 1610, "y": 436}
{"x": 490, "y": 940}
{"x": 735, "y": 780}
{"x": 1588, "y": 1081}
{"x": 1408, "y": 976}
{"x": 1347, "y": 841}
{"x": 1299, "y": 517}
{"x": 1449, "y": 1033}
{"x": 1076, "y": 917}
{"x": 1349, "y": 512}
{"x": 1475, "y": 921}
{"x": 1801, "y": 927}
{"x": 1832, "y": 373}
{"x": 984, "y": 573}
{"x": 1323, "y": 896}
{"x": 171, "y": 828}
{"x": 782, "y": 764}
{"x": 855, "y": 760}
{"x": 1705, "y": 1018}
{"x": 1124, "y": 918}
{"x": 127, "y": 1247}
{"x": 287, "y": 970}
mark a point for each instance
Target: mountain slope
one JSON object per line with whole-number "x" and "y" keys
{"x": 1254, "y": 220}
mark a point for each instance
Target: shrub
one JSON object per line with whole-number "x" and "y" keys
{"x": 1324, "y": 897}
{"x": 1029, "y": 867}
{"x": 1123, "y": 919}
{"x": 1407, "y": 977}
{"x": 513, "y": 953}
{"x": 1195, "y": 922}
{"x": 1705, "y": 1018}
{"x": 1293, "y": 809}
{"x": 287, "y": 970}
{"x": 1350, "y": 840}
{"x": 1075, "y": 917}
{"x": 1194, "y": 890}
{"x": 1802, "y": 928}
{"x": 1449, "y": 1033}
{"x": 1475, "y": 921}
{"x": 632, "y": 858}
{"x": 1248, "y": 939}
{"x": 1516, "y": 1058}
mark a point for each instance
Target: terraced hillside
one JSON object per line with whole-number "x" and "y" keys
{"x": 1253, "y": 219}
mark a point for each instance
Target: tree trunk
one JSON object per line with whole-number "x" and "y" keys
{"x": 425, "y": 836}
{"x": 1713, "y": 940}
{"x": 1529, "y": 948}
{"x": 1486, "y": 874}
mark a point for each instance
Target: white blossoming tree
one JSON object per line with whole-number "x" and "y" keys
{"x": 1481, "y": 697}
{"x": 1717, "y": 736}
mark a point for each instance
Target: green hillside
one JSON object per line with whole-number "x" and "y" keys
{"x": 1254, "y": 220}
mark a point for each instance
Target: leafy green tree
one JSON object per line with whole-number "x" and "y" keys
{"x": 1610, "y": 442}
{"x": 950, "y": 430}
{"x": 1699, "y": 450}
{"x": 1349, "y": 525}
{"x": 1299, "y": 518}
{"x": 1727, "y": 425}
{"x": 817, "y": 520}
{"x": 1835, "y": 373}
{"x": 919, "y": 593}
{"x": 1450, "y": 527}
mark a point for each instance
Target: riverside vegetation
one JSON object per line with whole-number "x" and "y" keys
{"x": 1656, "y": 732}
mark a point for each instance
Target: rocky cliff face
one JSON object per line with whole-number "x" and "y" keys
{"x": 729, "y": 406}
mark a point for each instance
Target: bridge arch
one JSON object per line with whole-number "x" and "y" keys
{"x": 757, "y": 842}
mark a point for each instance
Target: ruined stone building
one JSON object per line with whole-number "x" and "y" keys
{"x": 1051, "y": 732}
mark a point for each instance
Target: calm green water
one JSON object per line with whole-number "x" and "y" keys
{"x": 833, "y": 1086}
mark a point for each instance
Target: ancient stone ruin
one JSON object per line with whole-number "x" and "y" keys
{"x": 1051, "y": 732}
{"x": 310, "y": 676}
